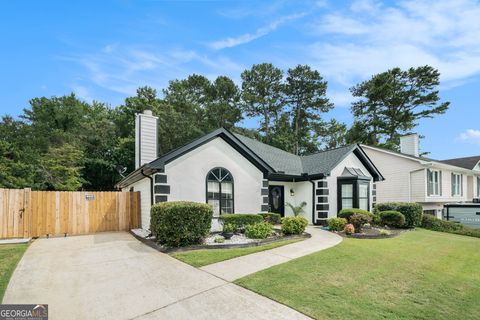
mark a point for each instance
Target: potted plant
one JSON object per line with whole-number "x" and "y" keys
{"x": 228, "y": 230}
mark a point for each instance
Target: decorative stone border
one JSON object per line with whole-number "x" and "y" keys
{"x": 163, "y": 249}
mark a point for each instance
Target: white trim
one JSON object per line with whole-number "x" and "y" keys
{"x": 426, "y": 162}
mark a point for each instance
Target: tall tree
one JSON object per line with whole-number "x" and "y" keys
{"x": 60, "y": 169}
{"x": 332, "y": 134}
{"x": 222, "y": 109}
{"x": 305, "y": 94}
{"x": 392, "y": 102}
{"x": 262, "y": 94}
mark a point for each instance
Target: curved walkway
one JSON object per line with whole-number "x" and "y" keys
{"x": 237, "y": 268}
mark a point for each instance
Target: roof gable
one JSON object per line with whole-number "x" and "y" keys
{"x": 270, "y": 160}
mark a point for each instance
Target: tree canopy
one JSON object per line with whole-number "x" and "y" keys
{"x": 64, "y": 143}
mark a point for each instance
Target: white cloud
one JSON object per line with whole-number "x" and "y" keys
{"x": 260, "y": 32}
{"x": 470, "y": 136}
{"x": 123, "y": 69}
{"x": 371, "y": 37}
{"x": 82, "y": 92}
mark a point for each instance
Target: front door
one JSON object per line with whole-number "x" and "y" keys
{"x": 276, "y": 199}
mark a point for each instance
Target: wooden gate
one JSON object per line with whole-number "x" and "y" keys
{"x": 25, "y": 213}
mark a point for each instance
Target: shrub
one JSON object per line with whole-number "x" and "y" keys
{"x": 272, "y": 218}
{"x": 259, "y": 230}
{"x": 241, "y": 220}
{"x": 358, "y": 220}
{"x": 392, "y": 218}
{"x": 294, "y": 225}
{"x": 432, "y": 223}
{"x": 180, "y": 223}
{"x": 349, "y": 228}
{"x": 229, "y": 228}
{"x": 219, "y": 239}
{"x": 347, "y": 213}
{"x": 385, "y": 232}
{"x": 376, "y": 220}
{"x": 336, "y": 224}
{"x": 413, "y": 212}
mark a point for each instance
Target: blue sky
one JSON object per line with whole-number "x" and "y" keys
{"x": 104, "y": 50}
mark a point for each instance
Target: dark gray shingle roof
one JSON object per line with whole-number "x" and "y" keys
{"x": 325, "y": 161}
{"x": 467, "y": 162}
{"x": 283, "y": 161}
{"x": 277, "y": 158}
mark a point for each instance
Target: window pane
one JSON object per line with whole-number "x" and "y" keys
{"x": 347, "y": 203}
{"x": 363, "y": 190}
{"x": 363, "y": 203}
{"x": 347, "y": 191}
{"x": 220, "y": 180}
{"x": 227, "y": 190}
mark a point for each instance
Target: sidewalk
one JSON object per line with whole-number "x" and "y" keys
{"x": 237, "y": 268}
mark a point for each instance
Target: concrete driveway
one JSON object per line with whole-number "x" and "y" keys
{"x": 114, "y": 276}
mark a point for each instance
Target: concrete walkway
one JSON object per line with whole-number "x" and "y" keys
{"x": 114, "y": 276}
{"x": 237, "y": 268}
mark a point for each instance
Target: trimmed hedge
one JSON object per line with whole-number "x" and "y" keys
{"x": 294, "y": 225}
{"x": 347, "y": 213}
{"x": 392, "y": 218}
{"x": 336, "y": 224}
{"x": 260, "y": 230}
{"x": 272, "y": 218}
{"x": 432, "y": 223}
{"x": 413, "y": 212}
{"x": 240, "y": 220}
{"x": 180, "y": 223}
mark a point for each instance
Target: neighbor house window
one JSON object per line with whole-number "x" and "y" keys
{"x": 457, "y": 180}
{"x": 478, "y": 187}
{"x": 220, "y": 190}
{"x": 434, "y": 182}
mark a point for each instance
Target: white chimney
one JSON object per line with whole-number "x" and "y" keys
{"x": 409, "y": 144}
{"x": 145, "y": 138}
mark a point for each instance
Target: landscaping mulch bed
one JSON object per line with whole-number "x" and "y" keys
{"x": 373, "y": 233}
{"x": 238, "y": 241}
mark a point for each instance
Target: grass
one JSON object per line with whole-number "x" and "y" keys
{"x": 10, "y": 254}
{"x": 419, "y": 275}
{"x": 200, "y": 258}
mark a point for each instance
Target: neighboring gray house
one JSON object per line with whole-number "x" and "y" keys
{"x": 432, "y": 183}
{"x": 236, "y": 174}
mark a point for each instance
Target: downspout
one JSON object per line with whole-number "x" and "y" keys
{"x": 151, "y": 186}
{"x": 313, "y": 200}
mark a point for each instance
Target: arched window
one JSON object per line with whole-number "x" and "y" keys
{"x": 220, "y": 190}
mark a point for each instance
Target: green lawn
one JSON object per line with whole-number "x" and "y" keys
{"x": 419, "y": 275}
{"x": 10, "y": 254}
{"x": 200, "y": 258}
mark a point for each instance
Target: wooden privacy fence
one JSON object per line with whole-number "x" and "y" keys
{"x": 25, "y": 213}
